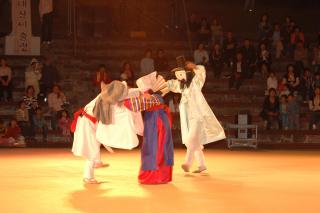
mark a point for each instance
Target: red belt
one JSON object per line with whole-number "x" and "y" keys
{"x": 76, "y": 115}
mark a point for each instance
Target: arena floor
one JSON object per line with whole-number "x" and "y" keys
{"x": 49, "y": 180}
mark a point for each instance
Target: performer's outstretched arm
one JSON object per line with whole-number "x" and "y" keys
{"x": 142, "y": 102}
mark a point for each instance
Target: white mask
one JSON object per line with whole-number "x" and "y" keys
{"x": 181, "y": 75}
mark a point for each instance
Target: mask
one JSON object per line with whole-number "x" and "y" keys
{"x": 181, "y": 75}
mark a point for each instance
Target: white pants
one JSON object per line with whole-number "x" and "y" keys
{"x": 89, "y": 169}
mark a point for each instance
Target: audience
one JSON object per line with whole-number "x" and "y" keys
{"x": 56, "y": 102}
{"x": 147, "y": 63}
{"x": 292, "y": 79}
{"x": 239, "y": 72}
{"x": 49, "y": 77}
{"x": 229, "y": 48}
{"x": 40, "y": 125}
{"x": 264, "y": 28}
{"x": 65, "y": 123}
{"x": 284, "y": 115}
{"x": 13, "y": 131}
{"x": 277, "y": 43}
{"x": 101, "y": 75}
{"x": 204, "y": 31}
{"x": 306, "y": 85}
{"x": 249, "y": 56}
{"x": 127, "y": 74}
{"x": 264, "y": 59}
{"x": 22, "y": 117}
{"x": 216, "y": 32}
{"x": 216, "y": 60}
{"x": 300, "y": 57}
{"x": 270, "y": 111}
{"x": 293, "y": 113}
{"x": 31, "y": 103}
{"x": 161, "y": 63}
{"x": 272, "y": 81}
{"x": 316, "y": 58}
{"x": 5, "y": 81}
{"x": 33, "y": 75}
{"x": 314, "y": 106}
{"x": 201, "y": 55}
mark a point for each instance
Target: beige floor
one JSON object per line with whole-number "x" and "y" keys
{"x": 49, "y": 180}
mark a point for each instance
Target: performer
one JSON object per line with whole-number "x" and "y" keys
{"x": 102, "y": 113}
{"x": 157, "y": 147}
{"x": 199, "y": 126}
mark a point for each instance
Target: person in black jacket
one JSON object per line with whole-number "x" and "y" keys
{"x": 249, "y": 57}
{"x": 270, "y": 111}
{"x": 239, "y": 71}
{"x": 50, "y": 77}
{"x": 216, "y": 60}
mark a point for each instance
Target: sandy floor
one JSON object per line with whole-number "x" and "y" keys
{"x": 49, "y": 180}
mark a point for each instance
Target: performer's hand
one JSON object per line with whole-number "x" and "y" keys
{"x": 190, "y": 66}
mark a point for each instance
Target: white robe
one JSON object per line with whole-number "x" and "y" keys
{"x": 199, "y": 125}
{"x": 121, "y": 134}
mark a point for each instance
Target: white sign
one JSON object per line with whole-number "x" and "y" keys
{"x": 21, "y": 41}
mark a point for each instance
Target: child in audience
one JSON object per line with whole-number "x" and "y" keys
{"x": 22, "y": 116}
{"x": 284, "y": 112}
{"x": 65, "y": 123}
{"x": 12, "y": 135}
{"x": 40, "y": 124}
{"x": 285, "y": 90}
{"x": 293, "y": 113}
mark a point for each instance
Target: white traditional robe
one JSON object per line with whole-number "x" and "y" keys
{"x": 121, "y": 134}
{"x": 199, "y": 125}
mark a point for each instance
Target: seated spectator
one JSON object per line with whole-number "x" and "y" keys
{"x": 286, "y": 31}
{"x": 31, "y": 103}
{"x": 249, "y": 56}
{"x": 277, "y": 41}
{"x": 204, "y": 31}
{"x": 216, "y": 32}
{"x": 293, "y": 113}
{"x": 292, "y": 79}
{"x": 284, "y": 117}
{"x": 101, "y": 75}
{"x": 239, "y": 72}
{"x": 49, "y": 77}
{"x": 264, "y": 59}
{"x": 306, "y": 85}
{"x": 300, "y": 57}
{"x": 201, "y": 56}
{"x": 22, "y": 117}
{"x": 13, "y": 131}
{"x": 297, "y": 36}
{"x": 316, "y": 82}
{"x": 33, "y": 75}
{"x": 285, "y": 91}
{"x": 65, "y": 123}
{"x": 174, "y": 103}
{"x": 229, "y": 48}
{"x": 147, "y": 63}
{"x": 314, "y": 106}
{"x": 56, "y": 102}
{"x": 316, "y": 58}
{"x": 161, "y": 63}
{"x": 5, "y": 81}
{"x": 264, "y": 28}
{"x": 127, "y": 74}
{"x": 272, "y": 81}
{"x": 216, "y": 60}
{"x": 270, "y": 111}
{"x": 40, "y": 124}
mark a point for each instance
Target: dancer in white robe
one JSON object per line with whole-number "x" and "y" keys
{"x": 112, "y": 126}
{"x": 199, "y": 125}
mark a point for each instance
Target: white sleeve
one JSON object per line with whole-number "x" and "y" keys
{"x": 200, "y": 75}
{"x": 174, "y": 86}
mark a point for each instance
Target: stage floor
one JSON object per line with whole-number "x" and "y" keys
{"x": 49, "y": 180}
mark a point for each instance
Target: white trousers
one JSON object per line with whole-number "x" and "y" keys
{"x": 89, "y": 169}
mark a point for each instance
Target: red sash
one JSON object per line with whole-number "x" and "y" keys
{"x": 76, "y": 115}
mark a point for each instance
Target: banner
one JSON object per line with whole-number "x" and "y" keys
{"x": 21, "y": 21}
